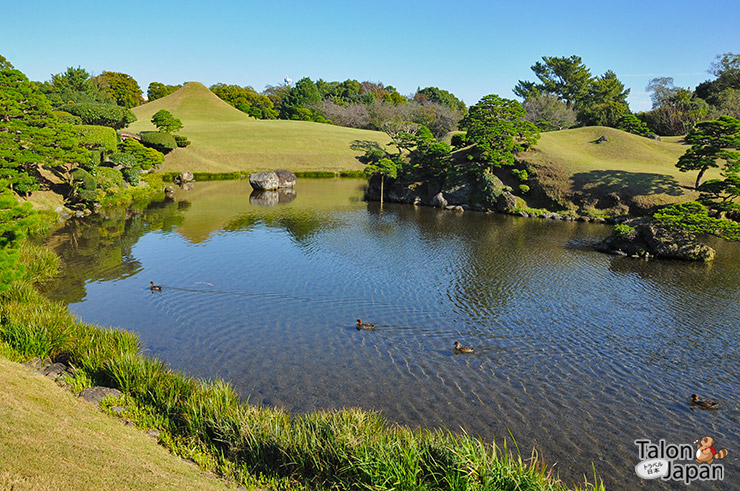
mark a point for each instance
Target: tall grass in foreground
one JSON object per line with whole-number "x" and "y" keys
{"x": 347, "y": 449}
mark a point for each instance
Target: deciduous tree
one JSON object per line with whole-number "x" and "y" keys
{"x": 157, "y": 90}
{"x": 122, "y": 88}
{"x": 548, "y": 112}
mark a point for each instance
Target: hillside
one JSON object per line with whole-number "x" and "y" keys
{"x": 54, "y": 441}
{"x": 626, "y": 170}
{"x": 225, "y": 139}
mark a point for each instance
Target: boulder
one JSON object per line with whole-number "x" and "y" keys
{"x": 96, "y": 394}
{"x": 601, "y": 139}
{"x": 438, "y": 201}
{"x": 264, "y": 181}
{"x": 674, "y": 244}
{"x": 286, "y": 178}
{"x": 458, "y": 195}
{"x": 184, "y": 177}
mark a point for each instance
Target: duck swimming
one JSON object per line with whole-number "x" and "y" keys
{"x": 705, "y": 404}
{"x": 364, "y": 325}
{"x": 459, "y": 348}
{"x": 154, "y": 288}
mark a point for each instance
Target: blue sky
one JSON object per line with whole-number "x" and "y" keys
{"x": 470, "y": 48}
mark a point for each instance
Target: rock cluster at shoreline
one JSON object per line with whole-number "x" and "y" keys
{"x": 463, "y": 198}
{"x": 648, "y": 239}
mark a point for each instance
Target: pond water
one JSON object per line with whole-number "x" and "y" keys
{"x": 577, "y": 354}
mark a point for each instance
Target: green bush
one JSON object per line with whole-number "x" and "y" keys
{"x": 694, "y": 218}
{"x": 98, "y": 138}
{"x": 107, "y": 178}
{"x": 65, "y": 117}
{"x": 520, "y": 174}
{"x": 83, "y": 185}
{"x": 523, "y": 188}
{"x": 622, "y": 230}
{"x": 123, "y": 159}
{"x": 162, "y": 142}
{"x": 631, "y": 124}
{"x": 131, "y": 176}
{"x": 146, "y": 158}
{"x": 101, "y": 114}
{"x": 181, "y": 141}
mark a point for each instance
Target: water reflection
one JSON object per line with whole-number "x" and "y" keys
{"x": 272, "y": 198}
{"x": 577, "y": 353}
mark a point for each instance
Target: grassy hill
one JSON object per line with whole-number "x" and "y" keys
{"x": 225, "y": 139}
{"x": 626, "y": 170}
{"x": 53, "y": 441}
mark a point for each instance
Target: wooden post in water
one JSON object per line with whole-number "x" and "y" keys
{"x": 382, "y": 180}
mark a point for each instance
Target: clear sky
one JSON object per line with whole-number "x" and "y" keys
{"x": 470, "y": 48}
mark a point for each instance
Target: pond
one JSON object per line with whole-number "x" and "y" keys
{"x": 577, "y": 354}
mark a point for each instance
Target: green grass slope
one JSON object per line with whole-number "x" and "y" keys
{"x": 53, "y": 441}
{"x": 626, "y": 170}
{"x": 225, "y": 139}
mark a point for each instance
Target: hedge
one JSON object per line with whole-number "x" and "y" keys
{"x": 95, "y": 137}
{"x": 162, "y": 142}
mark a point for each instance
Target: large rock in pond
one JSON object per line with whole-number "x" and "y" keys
{"x": 264, "y": 181}
{"x": 184, "y": 177}
{"x": 648, "y": 238}
{"x": 438, "y": 201}
{"x": 286, "y": 178}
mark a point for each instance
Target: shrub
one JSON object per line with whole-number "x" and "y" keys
{"x": 83, "y": 185}
{"x": 131, "y": 176}
{"x": 523, "y": 188}
{"x": 107, "y": 178}
{"x": 694, "y": 218}
{"x": 98, "y": 138}
{"x": 181, "y": 141}
{"x": 631, "y": 124}
{"x": 101, "y": 114}
{"x": 65, "y": 117}
{"x": 126, "y": 160}
{"x": 622, "y": 230}
{"x": 520, "y": 174}
{"x": 161, "y": 142}
{"x": 146, "y": 158}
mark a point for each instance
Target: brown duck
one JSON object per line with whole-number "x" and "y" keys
{"x": 459, "y": 348}
{"x": 705, "y": 404}
{"x": 364, "y": 325}
{"x": 154, "y": 288}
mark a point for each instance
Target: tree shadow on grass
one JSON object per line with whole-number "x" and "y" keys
{"x": 596, "y": 184}
{"x": 364, "y": 145}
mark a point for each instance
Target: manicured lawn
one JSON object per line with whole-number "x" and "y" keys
{"x": 225, "y": 139}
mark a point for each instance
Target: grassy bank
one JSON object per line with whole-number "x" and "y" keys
{"x": 226, "y": 140}
{"x": 53, "y": 441}
{"x": 206, "y": 421}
